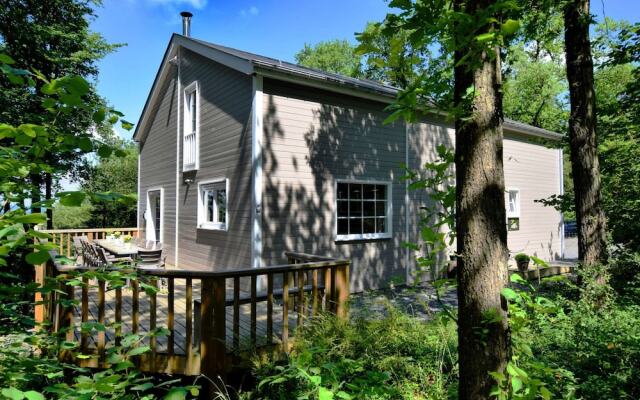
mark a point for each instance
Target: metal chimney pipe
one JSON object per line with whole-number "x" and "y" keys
{"x": 186, "y": 23}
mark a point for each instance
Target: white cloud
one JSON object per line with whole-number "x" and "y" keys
{"x": 197, "y": 4}
{"x": 251, "y": 11}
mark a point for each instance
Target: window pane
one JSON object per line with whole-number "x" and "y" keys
{"x": 381, "y": 208}
{"x": 369, "y": 192}
{"x": 208, "y": 196}
{"x": 355, "y": 226}
{"x": 381, "y": 192}
{"x": 355, "y": 208}
{"x": 369, "y": 225}
{"x": 343, "y": 190}
{"x": 381, "y": 225}
{"x": 192, "y": 104}
{"x": 222, "y": 206}
{"x": 343, "y": 226}
{"x": 369, "y": 208}
{"x": 343, "y": 208}
{"x": 355, "y": 191}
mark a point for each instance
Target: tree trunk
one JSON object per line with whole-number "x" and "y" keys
{"x": 48, "y": 182}
{"x": 483, "y": 343}
{"x": 591, "y": 222}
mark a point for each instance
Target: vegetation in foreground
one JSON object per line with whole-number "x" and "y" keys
{"x": 569, "y": 342}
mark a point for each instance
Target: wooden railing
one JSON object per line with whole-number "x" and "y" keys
{"x": 63, "y": 238}
{"x": 215, "y": 319}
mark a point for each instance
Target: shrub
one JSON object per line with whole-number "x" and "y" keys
{"x": 521, "y": 257}
{"x": 392, "y": 357}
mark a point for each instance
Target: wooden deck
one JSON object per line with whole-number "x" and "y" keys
{"x": 180, "y": 318}
{"x": 214, "y": 319}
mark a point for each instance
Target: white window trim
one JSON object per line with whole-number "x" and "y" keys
{"x": 364, "y": 236}
{"x": 201, "y": 207}
{"x": 518, "y": 211}
{"x": 191, "y": 88}
{"x": 147, "y": 213}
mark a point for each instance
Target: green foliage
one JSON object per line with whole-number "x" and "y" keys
{"x": 71, "y": 217}
{"x": 522, "y": 257}
{"x": 336, "y": 56}
{"x": 395, "y": 356}
{"x": 437, "y": 216}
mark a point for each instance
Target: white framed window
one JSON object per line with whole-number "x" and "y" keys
{"x": 191, "y": 131}
{"x": 363, "y": 210}
{"x": 213, "y": 212}
{"x": 512, "y": 205}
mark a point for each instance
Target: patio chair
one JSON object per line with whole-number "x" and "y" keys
{"x": 79, "y": 248}
{"x": 106, "y": 259}
{"x": 150, "y": 259}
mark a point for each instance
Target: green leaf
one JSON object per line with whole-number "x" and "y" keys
{"x": 485, "y": 37}
{"x": 37, "y": 258}
{"x": 99, "y": 115}
{"x": 176, "y": 393}
{"x": 324, "y": 394}
{"x": 126, "y": 125}
{"x": 35, "y": 218}
{"x": 344, "y": 395}
{"x": 5, "y": 59}
{"x": 72, "y": 199}
{"x": 33, "y": 395}
{"x": 516, "y": 384}
{"x": 138, "y": 350}
{"x": 143, "y": 387}
{"x": 13, "y": 393}
{"x": 509, "y": 294}
{"x": 84, "y": 144}
{"x": 105, "y": 151}
{"x": 510, "y": 26}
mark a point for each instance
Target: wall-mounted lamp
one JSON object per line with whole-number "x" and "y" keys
{"x": 188, "y": 181}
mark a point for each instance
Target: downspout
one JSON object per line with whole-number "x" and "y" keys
{"x": 561, "y": 190}
{"x": 407, "y": 257}
{"x": 177, "y": 242}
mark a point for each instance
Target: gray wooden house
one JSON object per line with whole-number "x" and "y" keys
{"x": 243, "y": 157}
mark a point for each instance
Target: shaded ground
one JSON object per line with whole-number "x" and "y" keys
{"x": 420, "y": 301}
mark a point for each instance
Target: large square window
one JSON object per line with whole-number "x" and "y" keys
{"x": 363, "y": 210}
{"x": 212, "y": 205}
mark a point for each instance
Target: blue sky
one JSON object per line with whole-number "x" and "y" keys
{"x": 275, "y": 28}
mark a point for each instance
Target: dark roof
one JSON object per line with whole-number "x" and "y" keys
{"x": 274, "y": 63}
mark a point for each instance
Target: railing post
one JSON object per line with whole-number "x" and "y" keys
{"x": 342, "y": 290}
{"x": 39, "y": 309}
{"x": 212, "y": 327}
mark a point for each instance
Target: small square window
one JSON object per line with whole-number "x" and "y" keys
{"x": 513, "y": 224}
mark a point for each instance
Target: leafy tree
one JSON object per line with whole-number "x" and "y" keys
{"x": 335, "y": 56}
{"x": 471, "y": 32}
{"x": 52, "y": 37}
{"x": 113, "y": 174}
{"x": 583, "y": 143}
{"x": 72, "y": 217}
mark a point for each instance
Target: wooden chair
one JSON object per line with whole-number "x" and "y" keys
{"x": 150, "y": 259}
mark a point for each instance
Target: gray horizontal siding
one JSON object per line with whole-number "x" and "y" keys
{"x": 158, "y": 165}
{"x": 312, "y": 139}
{"x": 225, "y": 152}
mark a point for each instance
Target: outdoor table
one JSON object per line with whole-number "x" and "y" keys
{"x": 118, "y": 249}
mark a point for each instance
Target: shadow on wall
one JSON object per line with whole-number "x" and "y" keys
{"x": 316, "y": 140}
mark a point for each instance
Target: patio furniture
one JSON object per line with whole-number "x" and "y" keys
{"x": 78, "y": 248}
{"x": 150, "y": 259}
{"x": 118, "y": 250}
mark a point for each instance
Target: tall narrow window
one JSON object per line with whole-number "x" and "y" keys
{"x": 363, "y": 210}
{"x": 191, "y": 127}
{"x": 512, "y": 199}
{"x": 212, "y": 205}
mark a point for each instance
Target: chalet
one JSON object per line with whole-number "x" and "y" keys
{"x": 244, "y": 157}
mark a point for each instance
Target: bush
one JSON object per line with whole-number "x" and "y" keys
{"x": 625, "y": 274}
{"x": 521, "y": 257}
{"x": 392, "y": 357}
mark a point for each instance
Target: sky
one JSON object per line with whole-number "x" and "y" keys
{"x": 274, "y": 28}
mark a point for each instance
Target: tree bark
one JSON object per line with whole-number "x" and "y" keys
{"x": 585, "y": 166}
{"x": 483, "y": 341}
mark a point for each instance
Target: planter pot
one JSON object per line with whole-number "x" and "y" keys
{"x": 523, "y": 267}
